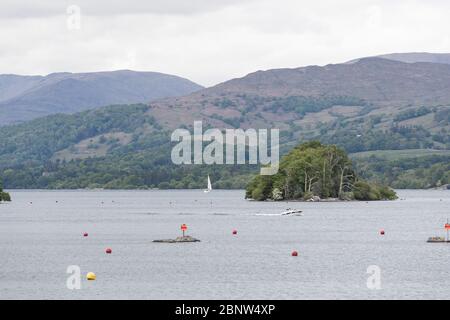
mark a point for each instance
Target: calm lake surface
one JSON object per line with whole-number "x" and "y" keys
{"x": 41, "y": 234}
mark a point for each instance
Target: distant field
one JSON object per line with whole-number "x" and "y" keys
{"x": 400, "y": 154}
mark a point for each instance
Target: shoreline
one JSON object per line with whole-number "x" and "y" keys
{"x": 443, "y": 187}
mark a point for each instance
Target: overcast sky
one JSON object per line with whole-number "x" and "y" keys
{"x": 210, "y": 41}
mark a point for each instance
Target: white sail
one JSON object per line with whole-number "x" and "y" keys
{"x": 209, "y": 185}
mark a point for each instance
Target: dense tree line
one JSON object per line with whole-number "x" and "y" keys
{"x": 313, "y": 169}
{"x": 4, "y": 196}
{"x": 395, "y": 138}
{"x": 27, "y": 150}
{"x": 301, "y": 105}
{"x": 143, "y": 163}
{"x": 36, "y": 141}
{"x": 407, "y": 173}
{"x": 412, "y": 113}
{"x": 443, "y": 116}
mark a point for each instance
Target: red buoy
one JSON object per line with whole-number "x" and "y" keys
{"x": 108, "y": 250}
{"x": 382, "y": 232}
{"x": 294, "y": 253}
{"x": 85, "y": 234}
{"x": 234, "y": 232}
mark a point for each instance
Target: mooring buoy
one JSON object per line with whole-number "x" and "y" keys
{"x": 90, "y": 276}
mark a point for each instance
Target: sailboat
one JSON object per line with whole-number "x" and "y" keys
{"x": 209, "y": 186}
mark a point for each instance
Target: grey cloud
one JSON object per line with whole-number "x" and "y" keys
{"x": 210, "y": 41}
{"x": 27, "y": 9}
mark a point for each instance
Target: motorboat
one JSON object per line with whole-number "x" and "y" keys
{"x": 292, "y": 212}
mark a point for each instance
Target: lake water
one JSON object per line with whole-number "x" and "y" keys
{"x": 41, "y": 234}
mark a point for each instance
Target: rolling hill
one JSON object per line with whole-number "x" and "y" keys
{"x": 24, "y": 98}
{"x": 281, "y": 95}
{"x": 369, "y": 105}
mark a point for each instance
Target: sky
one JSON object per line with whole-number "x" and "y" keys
{"x": 211, "y": 41}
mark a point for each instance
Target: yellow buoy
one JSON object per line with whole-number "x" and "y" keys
{"x": 90, "y": 276}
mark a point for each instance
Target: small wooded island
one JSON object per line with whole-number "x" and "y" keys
{"x": 313, "y": 171}
{"x": 4, "y": 196}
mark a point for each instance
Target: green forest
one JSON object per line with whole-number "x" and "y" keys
{"x": 4, "y": 196}
{"x": 125, "y": 147}
{"x": 316, "y": 170}
{"x": 410, "y": 173}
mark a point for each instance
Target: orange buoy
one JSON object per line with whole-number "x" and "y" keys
{"x": 85, "y": 234}
{"x": 294, "y": 253}
{"x": 91, "y": 276}
{"x": 235, "y": 232}
{"x": 108, "y": 250}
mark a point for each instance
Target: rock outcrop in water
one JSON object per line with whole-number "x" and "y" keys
{"x": 182, "y": 239}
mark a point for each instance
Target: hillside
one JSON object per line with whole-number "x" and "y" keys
{"x": 369, "y": 105}
{"x": 27, "y": 97}
{"x": 372, "y": 104}
{"x": 291, "y": 93}
{"x": 371, "y": 81}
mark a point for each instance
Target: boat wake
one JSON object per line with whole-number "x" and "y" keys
{"x": 295, "y": 213}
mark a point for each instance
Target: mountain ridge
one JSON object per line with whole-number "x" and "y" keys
{"x": 28, "y": 97}
{"x": 374, "y": 104}
{"x": 413, "y": 57}
{"x": 378, "y": 82}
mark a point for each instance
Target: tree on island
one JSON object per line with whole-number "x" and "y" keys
{"x": 316, "y": 170}
{"x": 4, "y": 196}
